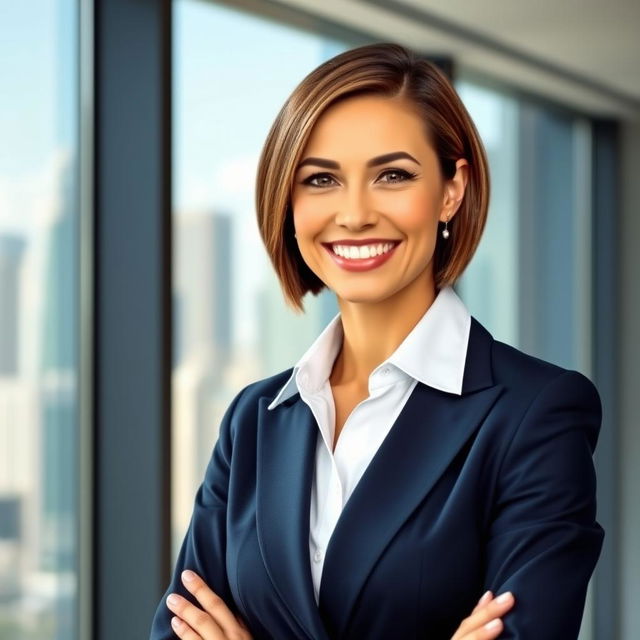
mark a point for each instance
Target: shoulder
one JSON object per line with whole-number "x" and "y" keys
{"x": 543, "y": 403}
{"x": 529, "y": 380}
{"x": 512, "y": 365}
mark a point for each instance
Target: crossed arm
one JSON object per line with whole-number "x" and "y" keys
{"x": 214, "y": 621}
{"x": 542, "y": 546}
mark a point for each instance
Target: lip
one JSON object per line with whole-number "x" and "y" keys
{"x": 359, "y": 243}
{"x": 364, "y": 264}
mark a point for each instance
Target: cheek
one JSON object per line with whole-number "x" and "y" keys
{"x": 307, "y": 215}
{"x": 416, "y": 211}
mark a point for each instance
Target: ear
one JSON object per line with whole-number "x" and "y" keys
{"x": 454, "y": 190}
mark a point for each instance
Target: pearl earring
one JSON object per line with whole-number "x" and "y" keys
{"x": 445, "y": 231}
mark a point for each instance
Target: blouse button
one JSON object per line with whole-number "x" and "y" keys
{"x": 317, "y": 556}
{"x": 385, "y": 371}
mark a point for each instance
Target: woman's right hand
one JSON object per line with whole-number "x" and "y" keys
{"x": 484, "y": 622}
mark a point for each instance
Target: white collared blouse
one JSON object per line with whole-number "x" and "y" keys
{"x": 434, "y": 353}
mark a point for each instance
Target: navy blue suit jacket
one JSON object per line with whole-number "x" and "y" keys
{"x": 493, "y": 489}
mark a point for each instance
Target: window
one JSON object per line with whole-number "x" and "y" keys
{"x": 490, "y": 283}
{"x": 530, "y": 279}
{"x": 39, "y": 205}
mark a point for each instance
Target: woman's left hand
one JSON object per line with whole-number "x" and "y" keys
{"x": 216, "y": 622}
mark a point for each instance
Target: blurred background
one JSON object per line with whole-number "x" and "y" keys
{"x": 136, "y": 298}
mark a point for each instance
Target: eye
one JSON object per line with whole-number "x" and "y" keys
{"x": 318, "y": 176}
{"x": 399, "y": 175}
{"x": 323, "y": 180}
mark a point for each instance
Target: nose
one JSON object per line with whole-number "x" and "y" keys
{"x": 355, "y": 211}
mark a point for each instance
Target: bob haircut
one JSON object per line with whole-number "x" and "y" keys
{"x": 389, "y": 70}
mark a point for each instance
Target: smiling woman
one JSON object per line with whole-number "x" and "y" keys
{"x": 374, "y": 112}
{"x": 332, "y": 219}
{"x": 409, "y": 462}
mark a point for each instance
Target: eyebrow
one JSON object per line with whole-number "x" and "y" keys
{"x": 374, "y": 162}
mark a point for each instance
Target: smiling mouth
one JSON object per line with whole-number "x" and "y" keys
{"x": 349, "y": 251}
{"x": 361, "y": 257}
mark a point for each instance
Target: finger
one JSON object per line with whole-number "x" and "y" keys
{"x": 488, "y": 631}
{"x": 496, "y": 608}
{"x": 214, "y": 605}
{"x": 486, "y": 598}
{"x": 487, "y": 613}
{"x": 183, "y": 630}
{"x": 197, "y": 619}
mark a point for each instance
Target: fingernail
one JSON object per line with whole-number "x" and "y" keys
{"x": 188, "y": 575}
{"x": 485, "y": 597}
{"x": 493, "y": 625}
{"x": 504, "y": 597}
{"x": 173, "y": 600}
{"x": 175, "y": 622}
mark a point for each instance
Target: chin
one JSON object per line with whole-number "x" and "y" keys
{"x": 362, "y": 295}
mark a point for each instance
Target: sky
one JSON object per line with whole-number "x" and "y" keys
{"x": 38, "y": 106}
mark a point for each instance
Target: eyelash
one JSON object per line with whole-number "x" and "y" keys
{"x": 407, "y": 175}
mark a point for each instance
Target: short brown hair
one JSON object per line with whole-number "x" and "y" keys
{"x": 390, "y": 70}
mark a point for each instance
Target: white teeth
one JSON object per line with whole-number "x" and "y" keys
{"x": 359, "y": 253}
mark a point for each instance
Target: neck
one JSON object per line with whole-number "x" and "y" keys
{"x": 374, "y": 330}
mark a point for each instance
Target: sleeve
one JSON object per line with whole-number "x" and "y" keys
{"x": 543, "y": 540}
{"x": 204, "y": 545}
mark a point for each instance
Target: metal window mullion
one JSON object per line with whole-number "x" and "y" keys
{"x": 132, "y": 314}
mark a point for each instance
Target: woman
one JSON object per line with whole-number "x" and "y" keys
{"x": 409, "y": 462}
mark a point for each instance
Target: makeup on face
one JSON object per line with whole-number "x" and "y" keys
{"x": 373, "y": 162}
{"x": 367, "y": 199}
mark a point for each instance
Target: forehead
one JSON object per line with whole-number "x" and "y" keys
{"x": 362, "y": 123}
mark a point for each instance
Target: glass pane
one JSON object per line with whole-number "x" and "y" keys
{"x": 530, "y": 279}
{"x": 226, "y": 296}
{"x": 555, "y": 239}
{"x": 489, "y": 285}
{"x": 38, "y": 323}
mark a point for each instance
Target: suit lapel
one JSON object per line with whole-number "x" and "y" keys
{"x": 430, "y": 430}
{"x": 287, "y": 439}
